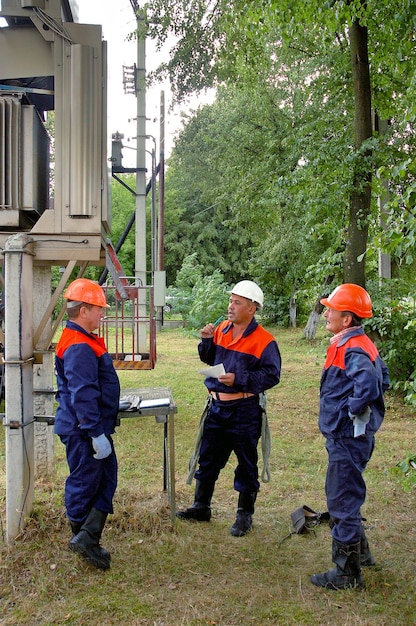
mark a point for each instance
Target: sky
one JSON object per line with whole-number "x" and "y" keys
{"x": 118, "y": 21}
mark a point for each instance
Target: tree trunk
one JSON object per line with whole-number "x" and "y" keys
{"x": 292, "y": 307}
{"x": 360, "y": 198}
{"x": 313, "y": 321}
{"x": 315, "y": 316}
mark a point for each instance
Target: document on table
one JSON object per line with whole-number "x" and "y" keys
{"x": 214, "y": 371}
{"x": 154, "y": 402}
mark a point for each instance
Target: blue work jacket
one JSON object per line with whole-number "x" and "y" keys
{"x": 253, "y": 357}
{"x": 354, "y": 378}
{"x": 88, "y": 386}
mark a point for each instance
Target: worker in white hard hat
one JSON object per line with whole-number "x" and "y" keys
{"x": 251, "y": 360}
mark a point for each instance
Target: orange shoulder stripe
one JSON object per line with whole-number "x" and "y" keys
{"x": 70, "y": 337}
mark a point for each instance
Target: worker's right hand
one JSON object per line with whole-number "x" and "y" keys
{"x": 208, "y": 331}
{"x": 101, "y": 446}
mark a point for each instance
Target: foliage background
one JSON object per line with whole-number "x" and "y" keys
{"x": 259, "y": 183}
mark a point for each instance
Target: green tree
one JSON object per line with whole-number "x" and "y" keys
{"x": 248, "y": 155}
{"x": 200, "y": 298}
{"x": 205, "y": 193}
{"x": 230, "y": 41}
{"x": 360, "y": 196}
{"x": 328, "y": 67}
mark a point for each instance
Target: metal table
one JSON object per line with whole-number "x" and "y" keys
{"x": 164, "y": 414}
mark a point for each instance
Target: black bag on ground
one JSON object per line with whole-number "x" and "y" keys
{"x": 304, "y": 519}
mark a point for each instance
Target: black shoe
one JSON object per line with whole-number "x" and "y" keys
{"x": 90, "y": 552}
{"x": 243, "y": 523}
{"x": 367, "y": 561}
{"x": 87, "y": 542}
{"x": 244, "y": 519}
{"x": 200, "y": 511}
{"x": 335, "y": 579}
{"x": 76, "y": 527}
{"x": 346, "y": 574}
{"x": 195, "y": 513}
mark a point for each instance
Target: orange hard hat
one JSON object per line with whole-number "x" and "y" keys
{"x": 85, "y": 290}
{"x": 350, "y": 297}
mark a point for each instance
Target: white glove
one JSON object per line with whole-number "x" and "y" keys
{"x": 101, "y": 446}
{"x": 360, "y": 421}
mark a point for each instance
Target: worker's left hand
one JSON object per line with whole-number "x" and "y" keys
{"x": 227, "y": 379}
{"x": 101, "y": 446}
{"x": 360, "y": 421}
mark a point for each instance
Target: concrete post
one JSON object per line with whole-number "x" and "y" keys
{"x": 18, "y": 357}
{"x": 43, "y": 378}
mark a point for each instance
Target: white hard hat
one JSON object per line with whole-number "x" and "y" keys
{"x": 250, "y": 290}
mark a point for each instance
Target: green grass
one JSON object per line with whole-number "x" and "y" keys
{"x": 197, "y": 574}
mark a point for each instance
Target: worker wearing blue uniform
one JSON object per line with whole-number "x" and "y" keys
{"x": 353, "y": 383}
{"x": 88, "y": 400}
{"x": 252, "y": 363}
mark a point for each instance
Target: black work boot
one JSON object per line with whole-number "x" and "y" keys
{"x": 76, "y": 527}
{"x": 243, "y": 520}
{"x": 200, "y": 511}
{"x": 366, "y": 558}
{"x": 347, "y": 572}
{"x": 87, "y": 542}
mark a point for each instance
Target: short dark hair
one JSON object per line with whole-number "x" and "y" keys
{"x": 73, "y": 311}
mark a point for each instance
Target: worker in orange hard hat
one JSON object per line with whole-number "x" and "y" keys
{"x": 353, "y": 382}
{"x": 350, "y": 297}
{"x": 88, "y": 400}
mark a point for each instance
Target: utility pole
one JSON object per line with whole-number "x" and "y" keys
{"x": 161, "y": 220}
{"x": 140, "y": 266}
{"x": 161, "y": 213}
{"x": 140, "y": 222}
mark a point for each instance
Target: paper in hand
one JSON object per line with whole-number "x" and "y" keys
{"x": 214, "y": 371}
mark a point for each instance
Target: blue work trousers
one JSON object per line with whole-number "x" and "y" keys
{"x": 231, "y": 426}
{"x": 345, "y": 486}
{"x": 91, "y": 482}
